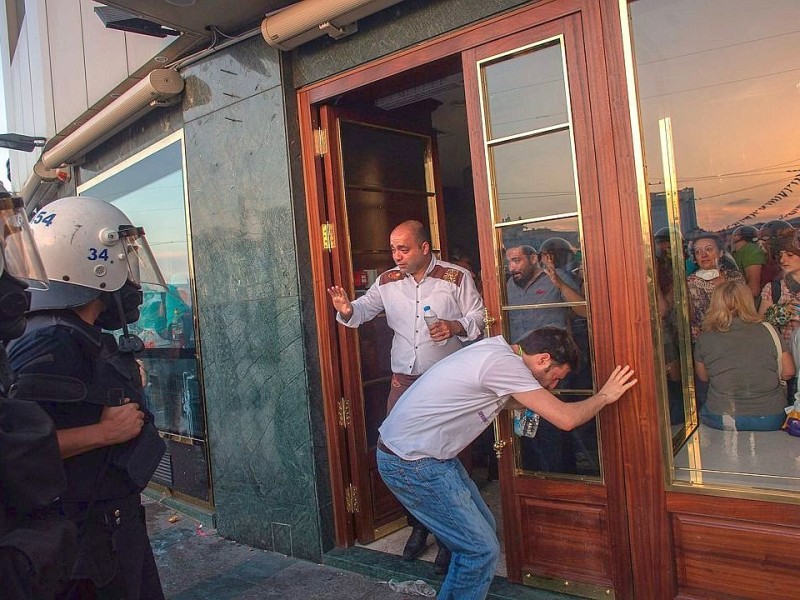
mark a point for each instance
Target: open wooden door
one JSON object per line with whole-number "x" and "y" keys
{"x": 378, "y": 173}
{"x": 532, "y": 140}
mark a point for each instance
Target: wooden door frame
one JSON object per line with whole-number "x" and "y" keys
{"x": 586, "y": 154}
{"x": 331, "y": 118}
{"x": 637, "y": 486}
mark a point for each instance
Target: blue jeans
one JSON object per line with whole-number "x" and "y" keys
{"x": 742, "y": 422}
{"x": 442, "y": 496}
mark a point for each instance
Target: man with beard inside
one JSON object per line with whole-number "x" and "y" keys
{"x": 534, "y": 282}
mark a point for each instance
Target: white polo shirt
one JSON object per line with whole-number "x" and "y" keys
{"x": 455, "y": 400}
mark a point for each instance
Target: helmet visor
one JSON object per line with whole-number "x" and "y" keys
{"x": 20, "y": 257}
{"x": 142, "y": 266}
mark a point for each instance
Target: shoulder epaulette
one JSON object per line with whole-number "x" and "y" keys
{"x": 448, "y": 274}
{"x": 391, "y": 276}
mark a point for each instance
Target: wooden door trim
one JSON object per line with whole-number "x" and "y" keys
{"x": 335, "y": 437}
{"x": 640, "y": 487}
{"x": 346, "y": 337}
{"x": 445, "y": 45}
{"x": 648, "y": 522}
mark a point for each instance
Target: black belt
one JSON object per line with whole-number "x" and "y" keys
{"x": 382, "y": 447}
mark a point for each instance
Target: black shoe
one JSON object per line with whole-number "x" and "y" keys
{"x": 442, "y": 562}
{"x": 416, "y": 544}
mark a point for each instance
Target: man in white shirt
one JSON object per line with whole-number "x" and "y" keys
{"x": 446, "y": 409}
{"x": 419, "y": 280}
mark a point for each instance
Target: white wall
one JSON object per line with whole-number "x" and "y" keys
{"x": 65, "y": 62}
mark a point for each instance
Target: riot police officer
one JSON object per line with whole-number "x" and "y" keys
{"x": 96, "y": 262}
{"x": 37, "y": 545}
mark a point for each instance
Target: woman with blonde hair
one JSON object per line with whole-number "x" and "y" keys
{"x": 745, "y": 362}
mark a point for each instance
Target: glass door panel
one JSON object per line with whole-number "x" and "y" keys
{"x": 381, "y": 175}
{"x": 533, "y": 188}
{"x": 534, "y": 177}
{"x": 512, "y": 84}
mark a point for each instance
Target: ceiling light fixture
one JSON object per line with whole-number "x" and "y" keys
{"x": 420, "y": 92}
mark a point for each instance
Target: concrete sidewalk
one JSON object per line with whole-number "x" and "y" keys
{"x": 197, "y": 564}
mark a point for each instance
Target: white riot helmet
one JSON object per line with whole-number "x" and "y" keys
{"x": 89, "y": 247}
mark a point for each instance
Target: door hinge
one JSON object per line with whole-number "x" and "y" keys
{"x": 351, "y": 499}
{"x": 320, "y": 142}
{"x": 328, "y": 236}
{"x": 344, "y": 412}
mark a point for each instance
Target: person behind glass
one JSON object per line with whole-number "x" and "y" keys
{"x": 538, "y": 282}
{"x": 418, "y": 280}
{"x": 712, "y": 270}
{"x": 771, "y": 236}
{"x": 446, "y": 409}
{"x": 37, "y": 544}
{"x": 749, "y": 257}
{"x": 540, "y": 278}
{"x": 744, "y": 362}
{"x": 780, "y": 298}
{"x": 96, "y": 261}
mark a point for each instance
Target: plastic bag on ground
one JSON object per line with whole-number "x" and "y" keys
{"x": 412, "y": 588}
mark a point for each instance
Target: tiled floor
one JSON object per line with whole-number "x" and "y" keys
{"x": 490, "y": 491}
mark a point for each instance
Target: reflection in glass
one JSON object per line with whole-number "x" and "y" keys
{"x": 526, "y": 93}
{"x": 534, "y": 177}
{"x": 552, "y": 450}
{"x": 150, "y": 192}
{"x": 536, "y": 199}
{"x": 732, "y": 102}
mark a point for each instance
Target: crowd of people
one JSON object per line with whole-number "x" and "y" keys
{"x": 743, "y": 293}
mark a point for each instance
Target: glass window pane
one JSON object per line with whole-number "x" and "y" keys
{"x": 150, "y": 192}
{"x": 534, "y": 177}
{"x": 552, "y": 450}
{"x": 721, "y": 214}
{"x": 526, "y": 92}
{"x": 383, "y": 158}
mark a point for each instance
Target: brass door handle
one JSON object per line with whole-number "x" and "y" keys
{"x": 488, "y": 321}
{"x": 499, "y": 444}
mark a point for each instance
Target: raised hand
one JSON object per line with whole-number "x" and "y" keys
{"x": 340, "y": 301}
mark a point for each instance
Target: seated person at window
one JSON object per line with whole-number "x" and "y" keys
{"x": 712, "y": 271}
{"x": 737, "y": 354}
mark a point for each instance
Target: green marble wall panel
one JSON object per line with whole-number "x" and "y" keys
{"x": 233, "y": 74}
{"x": 264, "y": 456}
{"x": 400, "y": 26}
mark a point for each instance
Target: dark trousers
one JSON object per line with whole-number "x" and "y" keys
{"x": 115, "y": 559}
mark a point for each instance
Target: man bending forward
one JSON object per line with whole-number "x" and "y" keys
{"x": 446, "y": 409}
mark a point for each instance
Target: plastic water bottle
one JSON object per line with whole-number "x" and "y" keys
{"x": 430, "y": 320}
